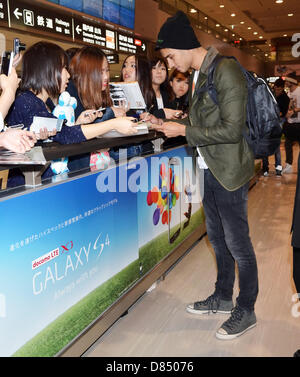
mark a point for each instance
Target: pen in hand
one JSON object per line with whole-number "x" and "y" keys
{"x": 147, "y": 114}
{"x": 95, "y": 111}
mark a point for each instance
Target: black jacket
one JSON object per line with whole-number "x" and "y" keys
{"x": 159, "y": 113}
{"x": 283, "y": 103}
{"x": 181, "y": 103}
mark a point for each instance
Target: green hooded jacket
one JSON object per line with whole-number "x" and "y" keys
{"x": 217, "y": 129}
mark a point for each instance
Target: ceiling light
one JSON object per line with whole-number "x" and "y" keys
{"x": 260, "y": 37}
{"x": 193, "y": 10}
{"x": 232, "y": 15}
{"x": 290, "y": 14}
{"x": 205, "y": 18}
{"x": 279, "y": 1}
{"x": 217, "y": 25}
{"x": 255, "y": 33}
{"x": 222, "y": 6}
{"x": 242, "y": 22}
{"x": 285, "y": 35}
{"x": 249, "y": 27}
{"x": 225, "y": 29}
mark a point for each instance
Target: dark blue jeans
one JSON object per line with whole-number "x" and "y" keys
{"x": 265, "y": 160}
{"x": 227, "y": 227}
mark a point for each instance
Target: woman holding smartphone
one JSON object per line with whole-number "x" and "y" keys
{"x": 89, "y": 84}
{"x": 180, "y": 85}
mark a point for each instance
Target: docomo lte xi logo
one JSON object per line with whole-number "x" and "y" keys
{"x": 296, "y": 47}
{"x": 51, "y": 255}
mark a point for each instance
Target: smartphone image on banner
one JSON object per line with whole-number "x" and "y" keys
{"x": 186, "y": 200}
{"x": 174, "y": 198}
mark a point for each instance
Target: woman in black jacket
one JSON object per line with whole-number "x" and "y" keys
{"x": 179, "y": 82}
{"x": 162, "y": 105}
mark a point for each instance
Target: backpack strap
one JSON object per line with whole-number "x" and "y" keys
{"x": 210, "y": 87}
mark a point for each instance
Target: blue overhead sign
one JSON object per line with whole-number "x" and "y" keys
{"x": 120, "y": 12}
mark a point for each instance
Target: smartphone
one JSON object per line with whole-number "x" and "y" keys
{"x": 6, "y": 62}
{"x": 18, "y": 46}
{"x": 174, "y": 198}
{"x": 186, "y": 200}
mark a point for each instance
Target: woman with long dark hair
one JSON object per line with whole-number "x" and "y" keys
{"x": 162, "y": 105}
{"x": 89, "y": 82}
{"x": 137, "y": 68}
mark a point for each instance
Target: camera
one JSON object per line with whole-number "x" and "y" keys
{"x": 6, "y": 62}
{"x": 7, "y": 57}
{"x": 18, "y": 46}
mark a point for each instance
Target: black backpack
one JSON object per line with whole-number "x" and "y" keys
{"x": 263, "y": 115}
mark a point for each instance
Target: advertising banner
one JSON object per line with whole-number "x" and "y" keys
{"x": 58, "y": 245}
{"x": 169, "y": 206}
{"x": 70, "y": 250}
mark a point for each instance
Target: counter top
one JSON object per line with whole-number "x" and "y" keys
{"x": 53, "y": 151}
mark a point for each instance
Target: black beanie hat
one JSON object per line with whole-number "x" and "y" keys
{"x": 177, "y": 33}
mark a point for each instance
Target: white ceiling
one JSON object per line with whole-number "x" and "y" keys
{"x": 258, "y": 25}
{"x": 268, "y": 19}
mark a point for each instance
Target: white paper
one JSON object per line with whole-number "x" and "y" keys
{"x": 43, "y": 122}
{"x": 142, "y": 130}
{"x": 130, "y": 92}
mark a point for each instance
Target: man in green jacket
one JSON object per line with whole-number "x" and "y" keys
{"x": 216, "y": 133}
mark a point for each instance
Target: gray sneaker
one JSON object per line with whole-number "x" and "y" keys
{"x": 213, "y": 304}
{"x": 239, "y": 322}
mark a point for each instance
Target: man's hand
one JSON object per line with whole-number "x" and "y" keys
{"x": 171, "y": 129}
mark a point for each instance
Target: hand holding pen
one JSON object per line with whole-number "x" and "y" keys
{"x": 146, "y": 116}
{"x": 98, "y": 112}
{"x": 89, "y": 116}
